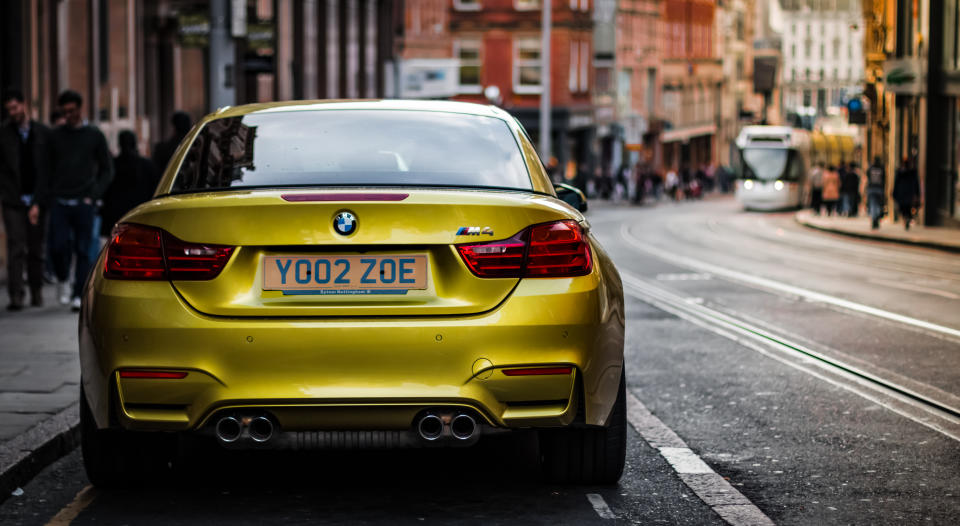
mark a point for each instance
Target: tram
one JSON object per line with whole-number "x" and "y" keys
{"x": 771, "y": 164}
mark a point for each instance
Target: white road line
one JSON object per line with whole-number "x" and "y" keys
{"x": 600, "y": 506}
{"x": 782, "y": 287}
{"x": 788, "y": 356}
{"x": 709, "y": 486}
{"x": 914, "y": 288}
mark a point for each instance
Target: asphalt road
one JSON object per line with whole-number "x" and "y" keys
{"x": 813, "y": 374}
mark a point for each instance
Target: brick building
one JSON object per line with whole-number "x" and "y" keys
{"x": 137, "y": 61}
{"x": 498, "y": 44}
{"x": 692, "y": 84}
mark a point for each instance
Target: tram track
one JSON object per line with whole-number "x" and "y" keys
{"x": 925, "y": 410}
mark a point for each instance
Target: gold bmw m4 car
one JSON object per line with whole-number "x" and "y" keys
{"x": 370, "y": 274}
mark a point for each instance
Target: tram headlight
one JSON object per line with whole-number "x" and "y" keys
{"x": 748, "y": 185}
{"x": 778, "y": 185}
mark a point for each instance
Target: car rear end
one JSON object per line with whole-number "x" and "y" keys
{"x": 352, "y": 276}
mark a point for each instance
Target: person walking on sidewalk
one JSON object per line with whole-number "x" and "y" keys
{"x": 850, "y": 190}
{"x": 816, "y": 188}
{"x": 164, "y": 150}
{"x": 82, "y": 171}
{"x": 906, "y": 191}
{"x": 831, "y": 189}
{"x": 876, "y": 183}
{"x": 24, "y": 193}
{"x": 134, "y": 181}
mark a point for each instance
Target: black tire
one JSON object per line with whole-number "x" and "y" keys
{"x": 115, "y": 458}
{"x": 588, "y": 455}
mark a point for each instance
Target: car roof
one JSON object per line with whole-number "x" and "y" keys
{"x": 348, "y": 104}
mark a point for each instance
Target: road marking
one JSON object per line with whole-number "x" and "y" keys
{"x": 782, "y": 287}
{"x": 697, "y": 276}
{"x": 707, "y": 484}
{"x": 600, "y": 506}
{"x": 865, "y": 385}
{"x": 914, "y": 288}
{"x": 83, "y": 499}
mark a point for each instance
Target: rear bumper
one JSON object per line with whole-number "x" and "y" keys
{"x": 348, "y": 373}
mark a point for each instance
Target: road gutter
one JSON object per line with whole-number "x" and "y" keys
{"x": 27, "y": 454}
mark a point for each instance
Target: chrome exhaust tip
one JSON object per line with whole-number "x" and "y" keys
{"x": 463, "y": 427}
{"x": 430, "y": 427}
{"x": 260, "y": 429}
{"x": 228, "y": 429}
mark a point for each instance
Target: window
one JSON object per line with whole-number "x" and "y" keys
{"x": 822, "y": 52}
{"x": 468, "y": 51}
{"x": 836, "y": 73}
{"x": 466, "y": 5}
{"x": 793, "y": 51}
{"x": 526, "y": 65}
{"x": 360, "y": 148}
{"x": 584, "y": 65}
{"x": 574, "y": 66}
{"x": 836, "y": 48}
{"x": 793, "y": 28}
{"x": 526, "y": 5}
{"x": 806, "y": 49}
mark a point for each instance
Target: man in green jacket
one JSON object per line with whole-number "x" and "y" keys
{"x": 83, "y": 169}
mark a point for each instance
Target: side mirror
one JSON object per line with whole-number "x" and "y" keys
{"x": 571, "y": 195}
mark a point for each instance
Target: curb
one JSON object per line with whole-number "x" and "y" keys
{"x": 879, "y": 237}
{"x": 24, "y": 456}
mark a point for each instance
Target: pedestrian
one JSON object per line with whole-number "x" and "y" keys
{"x": 850, "y": 190}
{"x": 164, "y": 150}
{"x": 25, "y": 194}
{"x": 672, "y": 183}
{"x": 876, "y": 183}
{"x": 816, "y": 188}
{"x": 134, "y": 180}
{"x": 831, "y": 189}
{"x": 82, "y": 171}
{"x": 906, "y": 191}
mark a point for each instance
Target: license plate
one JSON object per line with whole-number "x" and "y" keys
{"x": 352, "y": 274}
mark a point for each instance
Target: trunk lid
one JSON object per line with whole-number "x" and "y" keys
{"x": 275, "y": 230}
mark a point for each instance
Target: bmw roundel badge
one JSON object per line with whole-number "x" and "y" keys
{"x": 345, "y": 223}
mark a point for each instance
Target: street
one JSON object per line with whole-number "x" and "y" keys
{"x": 815, "y": 375}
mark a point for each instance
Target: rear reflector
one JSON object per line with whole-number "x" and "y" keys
{"x": 535, "y": 371}
{"x": 171, "y": 375}
{"x": 139, "y": 252}
{"x": 548, "y": 250}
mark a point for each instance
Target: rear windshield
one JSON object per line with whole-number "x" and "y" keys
{"x": 353, "y": 147}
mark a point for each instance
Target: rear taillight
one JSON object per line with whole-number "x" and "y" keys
{"x": 556, "y": 250}
{"x": 499, "y": 259}
{"x": 549, "y": 250}
{"x": 139, "y": 252}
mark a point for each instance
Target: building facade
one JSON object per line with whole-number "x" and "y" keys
{"x": 136, "y": 62}
{"x": 739, "y": 104}
{"x": 498, "y": 46}
{"x": 691, "y": 85}
{"x": 639, "y": 79}
{"x": 912, "y": 63}
{"x": 822, "y": 53}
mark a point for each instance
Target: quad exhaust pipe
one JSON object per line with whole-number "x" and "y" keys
{"x": 229, "y": 429}
{"x": 431, "y": 427}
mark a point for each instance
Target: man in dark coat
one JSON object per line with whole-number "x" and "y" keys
{"x": 134, "y": 180}
{"x": 82, "y": 171}
{"x": 25, "y": 194}
{"x": 163, "y": 151}
{"x": 850, "y": 190}
{"x": 906, "y": 191}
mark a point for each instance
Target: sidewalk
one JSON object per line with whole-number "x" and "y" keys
{"x": 39, "y": 388}
{"x": 931, "y": 237}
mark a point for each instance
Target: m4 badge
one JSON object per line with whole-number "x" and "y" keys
{"x": 474, "y": 231}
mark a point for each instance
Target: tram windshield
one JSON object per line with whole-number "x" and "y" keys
{"x": 766, "y": 164}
